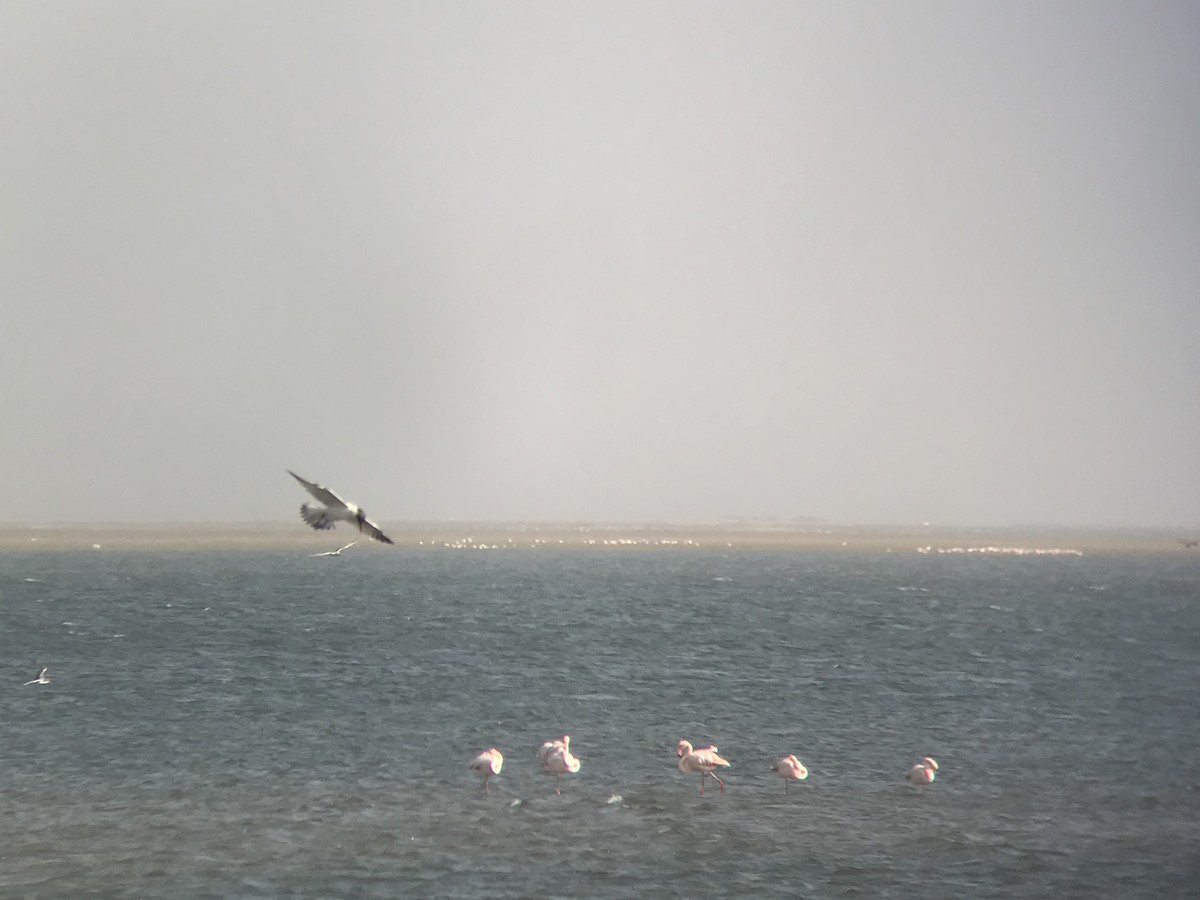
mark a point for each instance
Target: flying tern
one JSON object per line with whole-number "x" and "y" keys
{"x": 337, "y": 552}
{"x": 336, "y": 510}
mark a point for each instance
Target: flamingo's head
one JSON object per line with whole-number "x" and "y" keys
{"x": 930, "y": 762}
{"x": 683, "y": 748}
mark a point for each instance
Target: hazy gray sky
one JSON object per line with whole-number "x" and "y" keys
{"x": 872, "y": 262}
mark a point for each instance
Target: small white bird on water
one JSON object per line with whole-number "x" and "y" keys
{"x": 789, "y": 768}
{"x": 557, "y": 759}
{"x": 336, "y": 510}
{"x": 43, "y": 677}
{"x": 703, "y": 760}
{"x": 337, "y": 552}
{"x": 487, "y": 764}
{"x": 923, "y": 772}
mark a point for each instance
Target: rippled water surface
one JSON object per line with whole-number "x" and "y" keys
{"x": 254, "y": 724}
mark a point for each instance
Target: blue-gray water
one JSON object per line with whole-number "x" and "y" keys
{"x": 254, "y": 724}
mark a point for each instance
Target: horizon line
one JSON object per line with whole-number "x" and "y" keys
{"x": 736, "y": 522}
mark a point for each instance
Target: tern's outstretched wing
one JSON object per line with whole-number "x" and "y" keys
{"x": 324, "y": 494}
{"x": 373, "y": 530}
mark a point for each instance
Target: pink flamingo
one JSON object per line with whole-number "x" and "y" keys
{"x": 789, "y": 768}
{"x": 556, "y": 757}
{"x": 703, "y": 761}
{"x": 487, "y": 764}
{"x": 923, "y": 772}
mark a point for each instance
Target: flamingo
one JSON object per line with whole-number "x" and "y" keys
{"x": 556, "y": 757}
{"x": 43, "y": 677}
{"x": 923, "y": 772}
{"x": 487, "y": 764}
{"x": 788, "y": 768}
{"x": 703, "y": 761}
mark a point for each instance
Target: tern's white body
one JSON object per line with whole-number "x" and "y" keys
{"x": 43, "y": 677}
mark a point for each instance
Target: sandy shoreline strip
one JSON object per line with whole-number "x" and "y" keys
{"x": 597, "y": 536}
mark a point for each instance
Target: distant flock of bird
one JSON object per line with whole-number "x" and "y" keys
{"x": 556, "y": 758}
